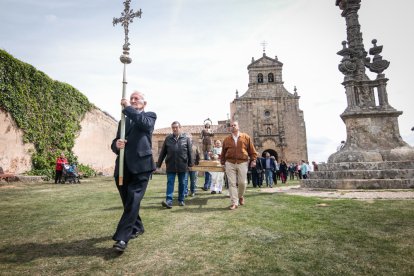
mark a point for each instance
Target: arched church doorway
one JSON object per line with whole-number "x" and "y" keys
{"x": 272, "y": 153}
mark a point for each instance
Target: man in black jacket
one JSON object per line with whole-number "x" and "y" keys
{"x": 176, "y": 151}
{"x": 138, "y": 166}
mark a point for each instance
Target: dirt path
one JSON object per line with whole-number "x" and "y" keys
{"x": 350, "y": 194}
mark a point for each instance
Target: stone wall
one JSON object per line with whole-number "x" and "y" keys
{"x": 15, "y": 156}
{"x": 92, "y": 146}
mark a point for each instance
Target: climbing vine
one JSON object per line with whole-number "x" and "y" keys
{"x": 48, "y": 111}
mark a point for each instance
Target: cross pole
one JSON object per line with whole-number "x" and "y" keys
{"x": 127, "y": 17}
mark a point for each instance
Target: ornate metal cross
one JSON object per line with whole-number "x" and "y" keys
{"x": 127, "y": 16}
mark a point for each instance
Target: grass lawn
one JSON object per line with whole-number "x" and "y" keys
{"x": 49, "y": 229}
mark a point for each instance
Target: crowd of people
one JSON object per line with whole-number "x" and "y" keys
{"x": 269, "y": 171}
{"x": 236, "y": 154}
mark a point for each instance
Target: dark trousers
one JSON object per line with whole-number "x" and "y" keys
{"x": 257, "y": 179}
{"x": 207, "y": 181}
{"x": 58, "y": 177}
{"x": 131, "y": 194}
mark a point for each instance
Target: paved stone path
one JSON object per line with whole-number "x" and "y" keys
{"x": 349, "y": 194}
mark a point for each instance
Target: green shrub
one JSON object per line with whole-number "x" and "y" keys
{"x": 49, "y": 112}
{"x": 86, "y": 171}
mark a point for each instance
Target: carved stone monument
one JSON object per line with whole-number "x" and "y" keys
{"x": 374, "y": 154}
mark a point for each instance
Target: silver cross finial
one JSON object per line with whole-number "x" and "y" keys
{"x": 127, "y": 17}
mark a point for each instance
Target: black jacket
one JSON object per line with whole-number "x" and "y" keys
{"x": 177, "y": 154}
{"x": 138, "y": 149}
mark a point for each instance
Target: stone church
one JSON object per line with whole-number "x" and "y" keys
{"x": 267, "y": 112}
{"x": 270, "y": 114}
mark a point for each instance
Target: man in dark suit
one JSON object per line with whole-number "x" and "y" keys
{"x": 269, "y": 166}
{"x": 138, "y": 166}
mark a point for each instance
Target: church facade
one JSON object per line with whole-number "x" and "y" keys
{"x": 270, "y": 114}
{"x": 267, "y": 112}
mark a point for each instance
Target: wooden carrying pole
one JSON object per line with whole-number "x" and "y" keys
{"x": 122, "y": 135}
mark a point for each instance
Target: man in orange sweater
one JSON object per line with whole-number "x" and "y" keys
{"x": 237, "y": 150}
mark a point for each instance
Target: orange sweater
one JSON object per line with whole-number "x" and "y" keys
{"x": 240, "y": 152}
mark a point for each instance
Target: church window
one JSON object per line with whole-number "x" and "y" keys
{"x": 267, "y": 113}
{"x": 270, "y": 77}
{"x": 260, "y": 78}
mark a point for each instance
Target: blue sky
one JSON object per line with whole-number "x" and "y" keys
{"x": 190, "y": 56}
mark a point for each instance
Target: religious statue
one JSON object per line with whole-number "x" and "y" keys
{"x": 206, "y": 138}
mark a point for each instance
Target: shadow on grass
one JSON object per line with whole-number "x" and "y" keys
{"x": 26, "y": 252}
{"x": 200, "y": 201}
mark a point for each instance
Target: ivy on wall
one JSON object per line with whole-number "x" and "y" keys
{"x": 49, "y": 112}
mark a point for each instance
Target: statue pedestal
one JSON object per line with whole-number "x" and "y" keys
{"x": 363, "y": 175}
{"x": 374, "y": 155}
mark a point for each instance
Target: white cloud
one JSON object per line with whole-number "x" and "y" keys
{"x": 51, "y": 18}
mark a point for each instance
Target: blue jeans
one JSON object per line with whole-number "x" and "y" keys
{"x": 193, "y": 181}
{"x": 269, "y": 177}
{"x": 207, "y": 182}
{"x": 170, "y": 186}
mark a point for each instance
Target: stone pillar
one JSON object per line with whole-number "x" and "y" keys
{"x": 374, "y": 155}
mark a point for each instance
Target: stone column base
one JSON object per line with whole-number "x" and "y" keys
{"x": 362, "y": 175}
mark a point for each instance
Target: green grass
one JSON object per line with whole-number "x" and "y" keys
{"x": 49, "y": 229}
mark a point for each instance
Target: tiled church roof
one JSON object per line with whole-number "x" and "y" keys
{"x": 193, "y": 129}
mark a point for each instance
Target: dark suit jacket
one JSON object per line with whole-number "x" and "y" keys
{"x": 138, "y": 149}
{"x": 272, "y": 164}
{"x": 177, "y": 154}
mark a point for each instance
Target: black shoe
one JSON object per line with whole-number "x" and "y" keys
{"x": 137, "y": 234}
{"x": 213, "y": 192}
{"x": 166, "y": 205}
{"x": 120, "y": 246}
{"x": 204, "y": 189}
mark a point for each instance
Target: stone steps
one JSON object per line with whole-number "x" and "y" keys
{"x": 358, "y": 183}
{"x": 386, "y": 165}
{"x": 364, "y": 174}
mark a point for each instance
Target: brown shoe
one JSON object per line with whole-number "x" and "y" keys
{"x": 241, "y": 201}
{"x": 233, "y": 207}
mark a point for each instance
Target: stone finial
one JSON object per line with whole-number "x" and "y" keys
{"x": 296, "y": 91}
{"x": 378, "y": 65}
{"x": 237, "y": 94}
{"x": 347, "y": 65}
